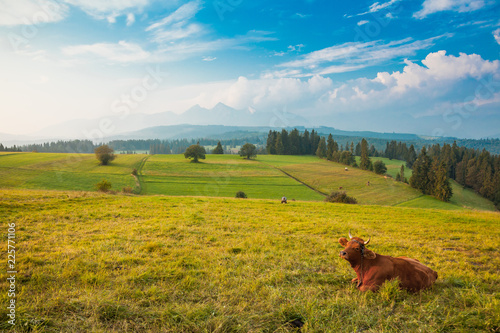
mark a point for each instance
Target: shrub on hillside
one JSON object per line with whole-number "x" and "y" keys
{"x": 103, "y": 186}
{"x": 134, "y": 172}
{"x": 340, "y": 197}
{"x": 241, "y": 194}
{"x": 379, "y": 167}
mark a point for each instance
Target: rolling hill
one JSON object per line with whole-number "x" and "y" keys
{"x": 304, "y": 178}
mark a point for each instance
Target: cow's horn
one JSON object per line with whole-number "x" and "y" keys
{"x": 350, "y": 234}
{"x": 368, "y": 241}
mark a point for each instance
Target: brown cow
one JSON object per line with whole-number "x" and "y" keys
{"x": 373, "y": 269}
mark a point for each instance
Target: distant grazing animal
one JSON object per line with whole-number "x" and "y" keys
{"x": 340, "y": 187}
{"x": 283, "y": 200}
{"x": 373, "y": 269}
{"x": 346, "y": 169}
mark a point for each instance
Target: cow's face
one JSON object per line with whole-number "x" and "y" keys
{"x": 352, "y": 249}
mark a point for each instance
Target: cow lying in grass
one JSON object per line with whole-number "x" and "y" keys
{"x": 373, "y": 269}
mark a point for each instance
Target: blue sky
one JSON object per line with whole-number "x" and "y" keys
{"x": 428, "y": 66}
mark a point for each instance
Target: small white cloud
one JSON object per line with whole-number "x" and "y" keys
{"x": 181, "y": 15}
{"x": 31, "y": 12}
{"x": 209, "y": 58}
{"x": 122, "y": 52}
{"x": 104, "y": 9}
{"x": 496, "y": 35}
{"x": 130, "y": 19}
{"x": 301, "y": 16}
{"x": 111, "y": 19}
{"x": 363, "y": 22}
{"x": 374, "y": 8}
{"x": 433, "y": 6}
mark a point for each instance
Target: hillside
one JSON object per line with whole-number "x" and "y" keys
{"x": 268, "y": 177}
{"x": 79, "y": 172}
{"x": 110, "y": 263}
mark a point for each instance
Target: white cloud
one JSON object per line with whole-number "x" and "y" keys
{"x": 209, "y": 58}
{"x": 439, "y": 69}
{"x": 31, "y": 12}
{"x": 496, "y": 35}
{"x": 301, "y": 16}
{"x": 121, "y": 52}
{"x": 376, "y": 7}
{"x": 130, "y": 19}
{"x": 363, "y": 22}
{"x": 108, "y": 9}
{"x": 177, "y": 32}
{"x": 181, "y": 15}
{"x": 461, "y": 6}
{"x": 356, "y": 55}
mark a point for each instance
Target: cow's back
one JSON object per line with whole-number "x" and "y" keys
{"x": 413, "y": 275}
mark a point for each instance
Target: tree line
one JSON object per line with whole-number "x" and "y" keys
{"x": 154, "y": 146}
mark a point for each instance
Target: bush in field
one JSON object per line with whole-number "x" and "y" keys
{"x": 134, "y": 172}
{"x": 379, "y": 167}
{"x": 104, "y": 154}
{"x": 103, "y": 186}
{"x": 241, "y": 194}
{"x": 340, "y": 197}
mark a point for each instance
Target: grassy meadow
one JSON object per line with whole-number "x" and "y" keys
{"x": 79, "y": 172}
{"x": 304, "y": 178}
{"x": 220, "y": 176}
{"x": 90, "y": 262}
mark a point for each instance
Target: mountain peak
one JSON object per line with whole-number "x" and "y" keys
{"x": 222, "y": 107}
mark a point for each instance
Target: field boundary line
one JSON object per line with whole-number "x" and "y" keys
{"x": 139, "y": 181}
{"x": 296, "y": 179}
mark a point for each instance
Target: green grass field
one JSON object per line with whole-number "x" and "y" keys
{"x": 220, "y": 175}
{"x": 90, "y": 262}
{"x": 267, "y": 177}
{"x": 78, "y": 172}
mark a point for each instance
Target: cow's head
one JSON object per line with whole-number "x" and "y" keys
{"x": 354, "y": 248}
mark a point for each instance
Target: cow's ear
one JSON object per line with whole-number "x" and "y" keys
{"x": 343, "y": 241}
{"x": 369, "y": 254}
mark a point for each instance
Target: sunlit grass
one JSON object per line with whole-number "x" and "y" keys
{"x": 106, "y": 263}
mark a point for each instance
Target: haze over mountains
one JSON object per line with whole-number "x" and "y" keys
{"x": 196, "y": 122}
{"x": 111, "y": 126}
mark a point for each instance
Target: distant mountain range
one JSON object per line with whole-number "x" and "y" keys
{"x": 219, "y": 122}
{"x": 188, "y": 131}
{"x": 114, "y": 125}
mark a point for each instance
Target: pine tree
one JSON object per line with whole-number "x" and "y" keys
{"x": 411, "y": 158}
{"x": 285, "y": 142}
{"x": 330, "y": 147}
{"x": 440, "y": 183}
{"x": 279, "y": 145}
{"x": 218, "y": 150}
{"x": 358, "y": 149}
{"x": 402, "y": 174}
{"x": 365, "y": 163}
{"x": 321, "y": 151}
{"x": 420, "y": 178}
{"x": 294, "y": 139}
